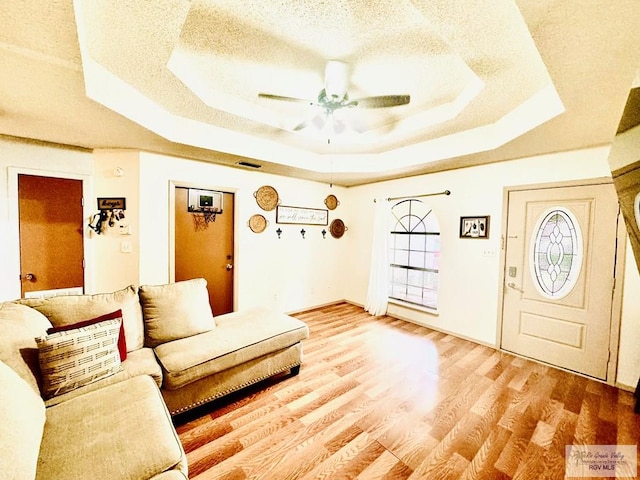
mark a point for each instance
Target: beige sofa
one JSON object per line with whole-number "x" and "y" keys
{"x": 117, "y": 423}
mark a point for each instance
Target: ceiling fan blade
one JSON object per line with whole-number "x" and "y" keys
{"x": 383, "y": 101}
{"x": 286, "y": 99}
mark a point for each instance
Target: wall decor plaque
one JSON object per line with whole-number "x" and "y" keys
{"x": 302, "y": 216}
{"x": 112, "y": 203}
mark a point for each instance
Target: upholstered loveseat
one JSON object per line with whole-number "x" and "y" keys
{"x": 161, "y": 352}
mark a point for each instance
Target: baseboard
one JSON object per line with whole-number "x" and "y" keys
{"x": 316, "y": 307}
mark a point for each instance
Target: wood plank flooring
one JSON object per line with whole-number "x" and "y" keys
{"x": 380, "y": 398}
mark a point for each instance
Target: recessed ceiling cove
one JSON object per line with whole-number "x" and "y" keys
{"x": 368, "y": 85}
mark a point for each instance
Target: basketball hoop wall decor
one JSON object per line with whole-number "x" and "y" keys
{"x": 204, "y": 205}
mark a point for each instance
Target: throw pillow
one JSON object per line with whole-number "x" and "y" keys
{"x": 78, "y": 357}
{"x": 175, "y": 311}
{"x": 122, "y": 342}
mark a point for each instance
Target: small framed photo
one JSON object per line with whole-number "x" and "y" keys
{"x": 474, "y": 227}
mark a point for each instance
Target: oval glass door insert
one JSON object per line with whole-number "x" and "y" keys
{"x": 556, "y": 253}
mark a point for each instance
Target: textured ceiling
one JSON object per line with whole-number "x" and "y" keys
{"x": 488, "y": 81}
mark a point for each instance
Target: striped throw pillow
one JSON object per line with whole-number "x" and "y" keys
{"x": 73, "y": 358}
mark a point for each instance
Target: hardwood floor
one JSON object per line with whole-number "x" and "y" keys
{"x": 380, "y": 398}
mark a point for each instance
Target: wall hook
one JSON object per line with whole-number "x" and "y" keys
{"x": 324, "y": 233}
{"x": 279, "y": 232}
{"x": 302, "y": 232}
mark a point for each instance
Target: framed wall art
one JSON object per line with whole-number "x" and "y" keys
{"x": 474, "y": 227}
{"x": 302, "y": 216}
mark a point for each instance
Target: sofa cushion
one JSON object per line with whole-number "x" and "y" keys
{"x": 122, "y": 342}
{"x": 121, "y": 431}
{"x": 176, "y": 310}
{"x": 71, "y": 359}
{"x": 238, "y": 338}
{"x": 20, "y": 325}
{"x": 22, "y": 417}
{"x": 68, "y": 309}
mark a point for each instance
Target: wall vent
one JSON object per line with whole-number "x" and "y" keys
{"x": 249, "y": 164}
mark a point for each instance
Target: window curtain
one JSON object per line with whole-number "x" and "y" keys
{"x": 378, "y": 291}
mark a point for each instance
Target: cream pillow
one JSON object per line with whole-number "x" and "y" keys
{"x": 73, "y": 358}
{"x": 175, "y": 311}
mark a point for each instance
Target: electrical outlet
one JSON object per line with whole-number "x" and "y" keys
{"x": 126, "y": 247}
{"x": 488, "y": 253}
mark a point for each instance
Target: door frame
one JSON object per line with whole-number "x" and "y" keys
{"x": 620, "y": 257}
{"x": 173, "y": 184}
{"x": 14, "y": 221}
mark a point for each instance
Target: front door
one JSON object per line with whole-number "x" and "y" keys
{"x": 204, "y": 249}
{"x": 559, "y": 276}
{"x": 50, "y": 216}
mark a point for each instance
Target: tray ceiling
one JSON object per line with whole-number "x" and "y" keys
{"x": 487, "y": 81}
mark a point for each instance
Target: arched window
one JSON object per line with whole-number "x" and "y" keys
{"x": 414, "y": 254}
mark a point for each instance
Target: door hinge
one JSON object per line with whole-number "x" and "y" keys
{"x": 83, "y": 263}
{"x": 82, "y": 201}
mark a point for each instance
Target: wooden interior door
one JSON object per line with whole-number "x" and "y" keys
{"x": 206, "y": 250}
{"x": 559, "y": 276}
{"x": 50, "y": 216}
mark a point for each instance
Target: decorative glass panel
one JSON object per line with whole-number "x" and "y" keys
{"x": 556, "y": 253}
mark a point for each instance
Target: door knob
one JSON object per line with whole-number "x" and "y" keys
{"x": 229, "y": 266}
{"x": 30, "y": 277}
{"x": 513, "y": 286}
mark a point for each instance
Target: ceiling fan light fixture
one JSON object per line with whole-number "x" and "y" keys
{"x": 336, "y": 81}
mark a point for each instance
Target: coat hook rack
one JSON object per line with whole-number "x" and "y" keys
{"x": 279, "y": 232}
{"x": 302, "y": 232}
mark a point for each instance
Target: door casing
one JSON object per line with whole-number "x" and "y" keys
{"x": 621, "y": 236}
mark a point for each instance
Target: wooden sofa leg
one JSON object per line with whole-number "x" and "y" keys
{"x": 295, "y": 370}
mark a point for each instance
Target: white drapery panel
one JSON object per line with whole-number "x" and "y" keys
{"x": 378, "y": 291}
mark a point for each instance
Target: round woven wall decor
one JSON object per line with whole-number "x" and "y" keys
{"x": 257, "y": 223}
{"x": 331, "y": 202}
{"x": 267, "y": 197}
{"x": 337, "y": 228}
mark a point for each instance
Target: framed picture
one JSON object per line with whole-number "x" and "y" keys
{"x": 474, "y": 227}
{"x": 302, "y": 216}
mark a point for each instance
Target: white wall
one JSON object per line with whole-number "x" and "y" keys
{"x": 469, "y": 280}
{"x": 35, "y": 158}
{"x": 291, "y": 273}
{"x": 117, "y": 269}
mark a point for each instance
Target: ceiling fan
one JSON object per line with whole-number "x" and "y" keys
{"x": 334, "y": 96}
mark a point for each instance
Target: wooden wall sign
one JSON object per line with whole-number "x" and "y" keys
{"x": 302, "y": 216}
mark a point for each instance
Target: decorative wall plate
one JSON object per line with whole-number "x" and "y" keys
{"x": 267, "y": 197}
{"x": 331, "y": 202}
{"x": 257, "y": 223}
{"x": 337, "y": 228}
